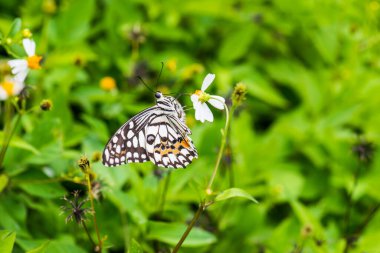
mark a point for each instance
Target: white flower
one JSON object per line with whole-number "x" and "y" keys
{"x": 200, "y": 97}
{"x": 20, "y": 67}
{"x": 10, "y": 87}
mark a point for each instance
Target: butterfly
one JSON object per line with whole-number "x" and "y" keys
{"x": 157, "y": 134}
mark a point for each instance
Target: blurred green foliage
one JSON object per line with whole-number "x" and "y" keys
{"x": 300, "y": 143}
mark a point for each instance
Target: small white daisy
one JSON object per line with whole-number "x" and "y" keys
{"x": 10, "y": 87}
{"x": 200, "y": 97}
{"x": 20, "y": 67}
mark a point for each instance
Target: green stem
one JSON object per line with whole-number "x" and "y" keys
{"x": 201, "y": 208}
{"x": 88, "y": 234}
{"x": 8, "y": 129}
{"x": 164, "y": 193}
{"x": 230, "y": 165}
{"x": 220, "y": 154}
{"x": 93, "y": 208}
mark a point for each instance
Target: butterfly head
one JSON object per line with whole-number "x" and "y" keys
{"x": 158, "y": 95}
{"x": 169, "y": 104}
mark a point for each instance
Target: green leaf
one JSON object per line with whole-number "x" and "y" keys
{"x": 7, "y": 240}
{"x": 17, "y": 50}
{"x": 73, "y": 24}
{"x": 234, "y": 193}
{"x": 134, "y": 247}
{"x": 15, "y": 28}
{"x": 20, "y": 143}
{"x": 259, "y": 87}
{"x": 127, "y": 203}
{"x": 60, "y": 246}
{"x": 171, "y": 233}
{"x": 236, "y": 44}
{"x": 3, "y": 182}
{"x": 98, "y": 127}
{"x": 47, "y": 190}
{"x": 39, "y": 249}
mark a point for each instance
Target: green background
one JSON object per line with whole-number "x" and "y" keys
{"x": 312, "y": 72}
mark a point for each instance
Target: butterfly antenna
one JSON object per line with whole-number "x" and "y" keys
{"x": 188, "y": 109}
{"x": 139, "y": 77}
{"x": 181, "y": 94}
{"x": 159, "y": 75}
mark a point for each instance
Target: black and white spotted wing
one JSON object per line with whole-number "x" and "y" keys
{"x": 158, "y": 134}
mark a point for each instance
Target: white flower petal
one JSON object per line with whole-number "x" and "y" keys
{"x": 217, "y": 102}
{"x": 29, "y": 46}
{"x": 18, "y": 86}
{"x": 3, "y": 94}
{"x": 194, "y": 99}
{"x": 198, "y": 115}
{"x": 203, "y": 112}
{"x": 20, "y": 76}
{"x": 18, "y": 63}
{"x": 19, "y": 69}
{"x": 207, "y": 81}
{"x": 206, "y": 112}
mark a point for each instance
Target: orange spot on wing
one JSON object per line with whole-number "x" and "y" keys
{"x": 186, "y": 143}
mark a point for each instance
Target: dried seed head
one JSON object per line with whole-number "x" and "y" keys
{"x": 136, "y": 34}
{"x": 239, "y": 93}
{"x": 74, "y": 207}
{"x": 84, "y": 164}
{"x": 363, "y": 150}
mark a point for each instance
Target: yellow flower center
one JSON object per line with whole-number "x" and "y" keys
{"x": 203, "y": 96}
{"x": 8, "y": 87}
{"x": 34, "y": 62}
{"x": 107, "y": 83}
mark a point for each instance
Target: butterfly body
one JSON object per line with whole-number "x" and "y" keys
{"x": 157, "y": 134}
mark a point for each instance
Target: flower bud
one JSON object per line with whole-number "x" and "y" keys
{"x": 239, "y": 93}
{"x": 26, "y": 33}
{"x": 46, "y": 105}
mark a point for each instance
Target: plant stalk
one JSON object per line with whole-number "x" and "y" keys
{"x": 220, "y": 154}
{"x": 88, "y": 234}
{"x": 201, "y": 208}
{"x": 93, "y": 209}
{"x": 164, "y": 193}
{"x": 8, "y": 130}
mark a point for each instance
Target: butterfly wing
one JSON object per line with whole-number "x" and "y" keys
{"x": 167, "y": 143}
{"x": 152, "y": 135}
{"x": 127, "y": 145}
